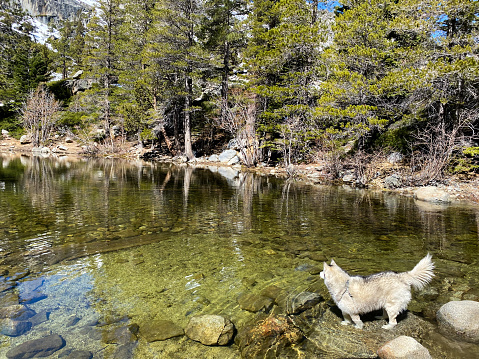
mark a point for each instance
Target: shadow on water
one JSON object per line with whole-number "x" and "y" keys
{"x": 97, "y": 248}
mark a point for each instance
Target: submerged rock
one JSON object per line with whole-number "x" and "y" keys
{"x": 32, "y": 297}
{"x": 268, "y": 338}
{"x": 460, "y": 319}
{"x": 33, "y": 285}
{"x": 254, "y": 302}
{"x": 73, "y": 320}
{"x": 157, "y": 330}
{"x": 125, "y": 351}
{"x": 17, "y": 312}
{"x": 403, "y": 347}
{"x": 273, "y": 292}
{"x": 37, "y": 348}
{"x": 121, "y": 335}
{"x": 39, "y": 318}
{"x": 303, "y": 301}
{"x": 14, "y": 328}
{"x": 77, "y": 354}
{"x": 210, "y": 329}
{"x": 4, "y": 286}
{"x": 9, "y": 299}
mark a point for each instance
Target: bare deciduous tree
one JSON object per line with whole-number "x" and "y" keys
{"x": 39, "y": 114}
{"x": 437, "y": 144}
{"x": 239, "y": 120}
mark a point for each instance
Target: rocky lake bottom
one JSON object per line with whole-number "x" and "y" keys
{"x": 113, "y": 260}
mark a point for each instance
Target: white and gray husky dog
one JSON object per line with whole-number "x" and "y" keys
{"x": 389, "y": 291}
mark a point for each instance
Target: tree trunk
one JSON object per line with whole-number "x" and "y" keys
{"x": 189, "y": 89}
{"x": 315, "y": 11}
{"x": 187, "y": 119}
{"x": 251, "y": 149}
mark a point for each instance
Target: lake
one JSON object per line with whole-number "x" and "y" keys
{"x": 98, "y": 248}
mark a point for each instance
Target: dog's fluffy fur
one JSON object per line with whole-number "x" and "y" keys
{"x": 390, "y": 291}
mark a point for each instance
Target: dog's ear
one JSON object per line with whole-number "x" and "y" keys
{"x": 325, "y": 265}
{"x": 333, "y": 262}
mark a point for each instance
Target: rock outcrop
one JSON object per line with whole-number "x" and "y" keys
{"x": 53, "y": 10}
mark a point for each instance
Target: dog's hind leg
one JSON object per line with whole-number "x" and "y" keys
{"x": 357, "y": 321}
{"x": 392, "y": 313}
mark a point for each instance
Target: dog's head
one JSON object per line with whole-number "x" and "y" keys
{"x": 327, "y": 268}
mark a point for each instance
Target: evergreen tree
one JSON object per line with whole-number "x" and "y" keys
{"x": 287, "y": 38}
{"x": 69, "y": 46}
{"x": 23, "y": 63}
{"x": 140, "y": 97}
{"x": 352, "y": 100}
{"x": 176, "y": 59}
{"x": 223, "y": 34}
{"x": 103, "y": 50}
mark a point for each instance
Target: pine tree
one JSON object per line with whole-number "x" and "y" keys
{"x": 102, "y": 46}
{"x": 23, "y": 63}
{"x": 176, "y": 59}
{"x": 139, "y": 105}
{"x": 352, "y": 101}
{"x": 69, "y": 46}
{"x": 397, "y": 66}
{"x": 223, "y": 33}
{"x": 287, "y": 38}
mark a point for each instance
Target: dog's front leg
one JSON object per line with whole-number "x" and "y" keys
{"x": 357, "y": 320}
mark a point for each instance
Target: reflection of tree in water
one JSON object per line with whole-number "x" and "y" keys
{"x": 39, "y": 181}
{"x": 96, "y": 205}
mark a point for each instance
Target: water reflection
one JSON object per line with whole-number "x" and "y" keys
{"x": 112, "y": 239}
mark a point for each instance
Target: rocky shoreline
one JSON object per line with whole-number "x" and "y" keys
{"x": 387, "y": 178}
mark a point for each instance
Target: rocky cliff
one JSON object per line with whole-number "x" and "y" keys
{"x": 53, "y": 10}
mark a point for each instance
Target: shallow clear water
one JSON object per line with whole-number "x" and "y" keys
{"x": 97, "y": 245}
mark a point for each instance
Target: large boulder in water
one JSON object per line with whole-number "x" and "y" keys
{"x": 227, "y": 156}
{"x": 432, "y": 194}
{"x": 460, "y": 319}
{"x": 210, "y": 329}
{"x": 403, "y": 347}
{"x": 326, "y": 335}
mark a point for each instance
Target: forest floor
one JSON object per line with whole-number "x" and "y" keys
{"x": 460, "y": 188}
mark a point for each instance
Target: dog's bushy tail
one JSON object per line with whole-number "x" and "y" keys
{"x": 422, "y": 273}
